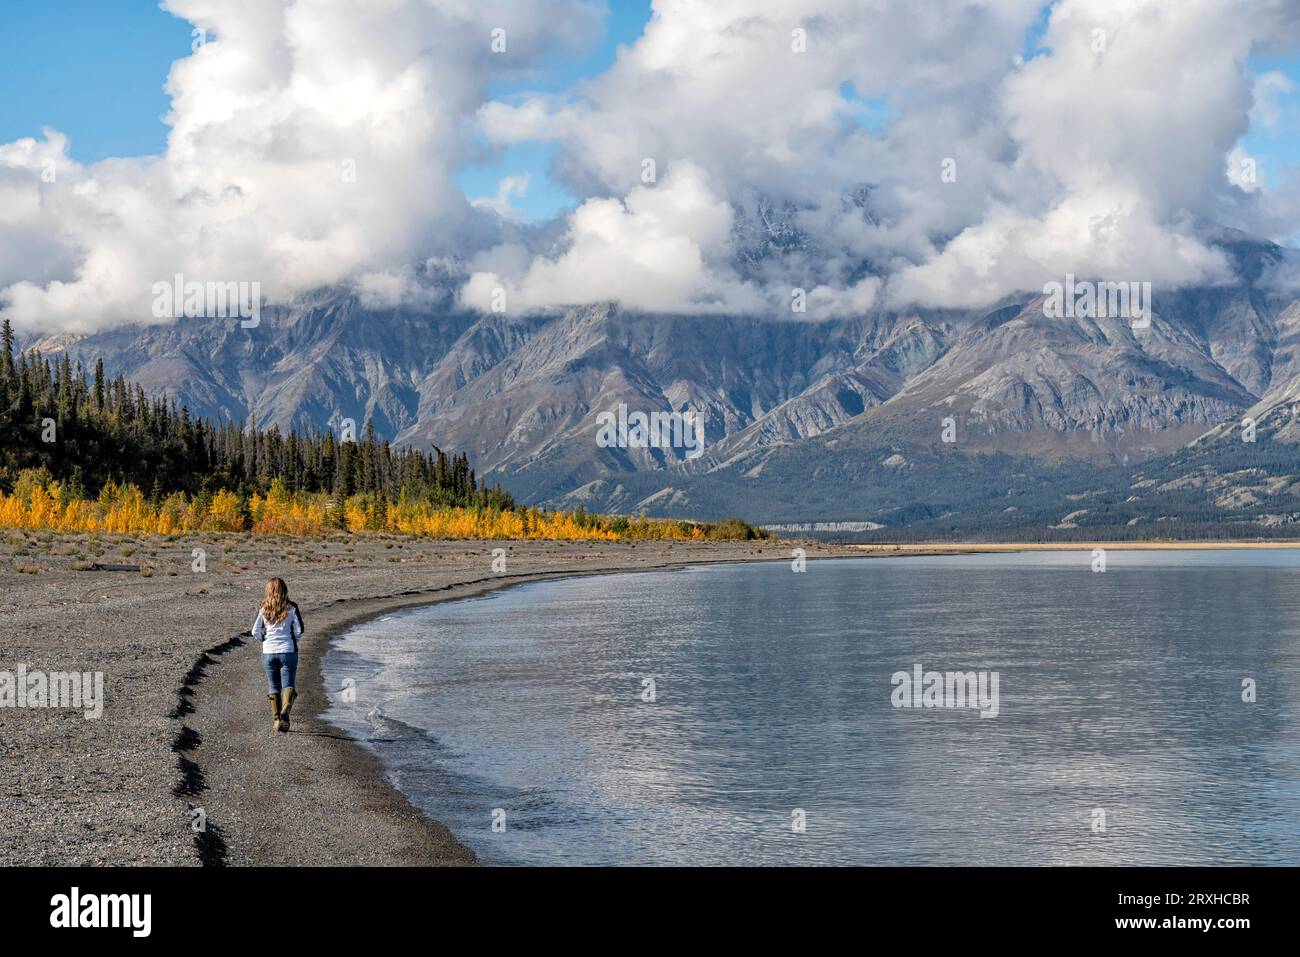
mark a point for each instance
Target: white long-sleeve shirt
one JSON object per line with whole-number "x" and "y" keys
{"x": 282, "y": 638}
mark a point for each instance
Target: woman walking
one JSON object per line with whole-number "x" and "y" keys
{"x": 278, "y": 628}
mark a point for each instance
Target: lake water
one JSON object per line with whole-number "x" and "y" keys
{"x": 1120, "y": 737}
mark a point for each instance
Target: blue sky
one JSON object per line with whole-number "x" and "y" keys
{"x": 94, "y": 70}
{"x": 545, "y": 197}
{"x": 1278, "y": 145}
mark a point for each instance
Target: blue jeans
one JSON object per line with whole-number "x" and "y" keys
{"x": 280, "y": 670}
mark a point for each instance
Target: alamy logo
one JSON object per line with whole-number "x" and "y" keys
{"x": 210, "y": 300}
{"x": 1098, "y": 300}
{"x": 946, "y": 689}
{"x": 657, "y": 430}
{"x": 103, "y": 910}
{"x": 83, "y": 691}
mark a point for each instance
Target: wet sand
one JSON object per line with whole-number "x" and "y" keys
{"x": 183, "y": 766}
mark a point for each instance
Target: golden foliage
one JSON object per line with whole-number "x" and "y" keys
{"x": 38, "y": 502}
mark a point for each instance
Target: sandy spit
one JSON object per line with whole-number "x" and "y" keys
{"x": 183, "y": 767}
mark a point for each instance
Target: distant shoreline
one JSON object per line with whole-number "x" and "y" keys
{"x": 973, "y": 548}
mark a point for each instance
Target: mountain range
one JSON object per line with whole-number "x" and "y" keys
{"x": 920, "y": 421}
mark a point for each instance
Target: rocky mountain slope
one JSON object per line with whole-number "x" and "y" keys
{"x": 838, "y": 420}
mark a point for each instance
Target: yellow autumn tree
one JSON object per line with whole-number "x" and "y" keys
{"x": 39, "y": 502}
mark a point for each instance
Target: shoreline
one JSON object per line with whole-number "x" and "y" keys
{"x": 369, "y": 763}
{"x": 183, "y": 768}
{"x": 404, "y": 834}
{"x": 186, "y": 730}
{"x": 364, "y": 762}
{"x": 979, "y": 548}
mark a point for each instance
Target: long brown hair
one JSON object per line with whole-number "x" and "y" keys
{"x": 275, "y": 604}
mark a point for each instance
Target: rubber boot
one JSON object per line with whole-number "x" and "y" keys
{"x": 286, "y": 704}
{"x": 274, "y": 699}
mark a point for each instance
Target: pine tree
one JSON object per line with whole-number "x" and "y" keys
{"x": 112, "y": 432}
{"x": 7, "y": 370}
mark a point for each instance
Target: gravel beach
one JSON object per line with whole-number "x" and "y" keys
{"x": 182, "y": 767}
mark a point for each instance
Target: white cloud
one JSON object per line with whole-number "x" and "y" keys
{"x": 1270, "y": 95}
{"x": 1127, "y": 127}
{"x": 722, "y": 86}
{"x": 1242, "y": 170}
{"x": 314, "y": 143}
{"x": 507, "y": 187}
{"x": 1087, "y": 160}
{"x": 662, "y": 249}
